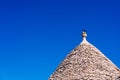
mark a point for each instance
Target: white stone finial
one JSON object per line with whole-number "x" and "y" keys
{"x": 84, "y": 34}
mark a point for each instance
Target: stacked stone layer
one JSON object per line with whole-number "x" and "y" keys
{"x": 86, "y": 62}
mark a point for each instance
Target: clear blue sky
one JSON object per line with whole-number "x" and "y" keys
{"x": 35, "y": 36}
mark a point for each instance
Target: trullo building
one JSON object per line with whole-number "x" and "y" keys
{"x": 86, "y": 62}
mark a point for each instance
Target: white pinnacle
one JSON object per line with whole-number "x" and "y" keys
{"x": 84, "y": 35}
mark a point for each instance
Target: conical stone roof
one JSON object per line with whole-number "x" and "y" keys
{"x": 86, "y": 62}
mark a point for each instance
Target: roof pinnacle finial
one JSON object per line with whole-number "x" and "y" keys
{"x": 84, "y": 34}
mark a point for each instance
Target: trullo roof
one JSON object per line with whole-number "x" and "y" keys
{"x": 86, "y": 62}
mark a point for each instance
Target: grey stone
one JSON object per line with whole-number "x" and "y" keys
{"x": 86, "y": 62}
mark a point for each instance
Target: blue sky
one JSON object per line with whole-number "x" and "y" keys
{"x": 35, "y": 36}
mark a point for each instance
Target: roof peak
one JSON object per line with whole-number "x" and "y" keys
{"x": 86, "y": 62}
